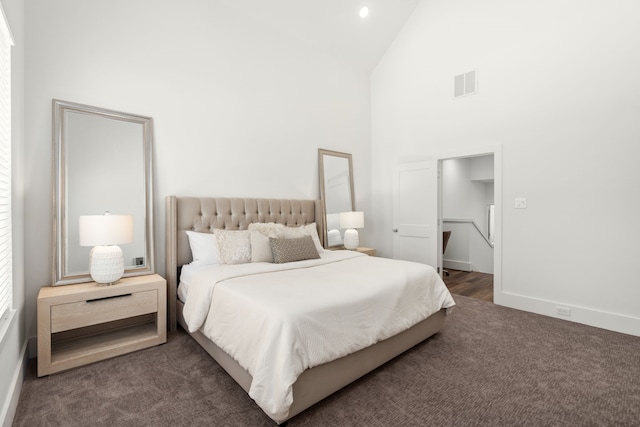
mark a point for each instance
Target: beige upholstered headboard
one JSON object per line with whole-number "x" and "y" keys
{"x": 203, "y": 214}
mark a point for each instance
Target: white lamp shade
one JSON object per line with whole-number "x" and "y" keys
{"x": 101, "y": 230}
{"x": 351, "y": 220}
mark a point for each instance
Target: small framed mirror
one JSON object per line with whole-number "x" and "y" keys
{"x": 102, "y": 163}
{"x": 336, "y": 191}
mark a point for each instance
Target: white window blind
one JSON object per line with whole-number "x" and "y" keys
{"x": 6, "y": 282}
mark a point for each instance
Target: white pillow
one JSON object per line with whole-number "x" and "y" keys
{"x": 304, "y": 230}
{"x": 204, "y": 248}
{"x": 235, "y": 246}
{"x": 268, "y": 228}
{"x": 260, "y": 247}
{"x": 260, "y": 233}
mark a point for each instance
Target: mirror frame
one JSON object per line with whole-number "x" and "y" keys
{"x": 321, "y": 153}
{"x": 60, "y": 108}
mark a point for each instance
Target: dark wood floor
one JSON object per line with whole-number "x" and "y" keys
{"x": 470, "y": 284}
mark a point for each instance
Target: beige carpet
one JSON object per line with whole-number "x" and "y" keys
{"x": 490, "y": 366}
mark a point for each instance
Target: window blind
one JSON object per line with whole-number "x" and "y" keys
{"x": 6, "y": 275}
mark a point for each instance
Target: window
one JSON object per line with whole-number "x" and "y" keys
{"x": 6, "y": 282}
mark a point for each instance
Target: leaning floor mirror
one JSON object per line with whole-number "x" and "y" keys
{"x": 102, "y": 163}
{"x": 336, "y": 191}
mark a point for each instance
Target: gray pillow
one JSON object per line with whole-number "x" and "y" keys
{"x": 289, "y": 250}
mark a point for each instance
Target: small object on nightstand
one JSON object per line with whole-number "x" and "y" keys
{"x": 105, "y": 233}
{"x": 85, "y": 323}
{"x": 351, "y": 221}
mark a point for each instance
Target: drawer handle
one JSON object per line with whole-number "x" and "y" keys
{"x": 115, "y": 296}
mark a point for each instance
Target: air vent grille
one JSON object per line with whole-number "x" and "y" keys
{"x": 465, "y": 84}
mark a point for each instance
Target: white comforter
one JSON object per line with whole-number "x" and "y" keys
{"x": 276, "y": 320}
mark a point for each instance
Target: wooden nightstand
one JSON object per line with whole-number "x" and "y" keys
{"x": 368, "y": 251}
{"x": 85, "y": 323}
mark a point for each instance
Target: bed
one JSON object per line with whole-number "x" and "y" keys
{"x": 309, "y": 380}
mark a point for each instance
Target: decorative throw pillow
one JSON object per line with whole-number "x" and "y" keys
{"x": 260, "y": 233}
{"x": 305, "y": 230}
{"x": 296, "y": 249}
{"x": 260, "y": 247}
{"x": 204, "y": 248}
{"x": 235, "y": 246}
{"x": 272, "y": 229}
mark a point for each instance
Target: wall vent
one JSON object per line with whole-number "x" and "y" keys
{"x": 465, "y": 84}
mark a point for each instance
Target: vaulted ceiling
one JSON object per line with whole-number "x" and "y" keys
{"x": 333, "y": 26}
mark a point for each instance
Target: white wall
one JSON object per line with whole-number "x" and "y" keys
{"x": 238, "y": 109}
{"x": 13, "y": 346}
{"x": 463, "y": 196}
{"x": 481, "y": 168}
{"x": 558, "y": 90}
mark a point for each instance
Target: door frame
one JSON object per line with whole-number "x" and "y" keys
{"x": 496, "y": 150}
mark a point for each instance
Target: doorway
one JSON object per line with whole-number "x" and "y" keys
{"x": 418, "y": 206}
{"x": 469, "y": 209}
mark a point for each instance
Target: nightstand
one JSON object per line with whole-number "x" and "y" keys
{"x": 362, "y": 249}
{"x": 85, "y": 323}
{"x": 368, "y": 251}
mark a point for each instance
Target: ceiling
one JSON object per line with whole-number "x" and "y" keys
{"x": 334, "y": 26}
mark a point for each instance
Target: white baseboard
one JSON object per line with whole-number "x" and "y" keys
{"x": 456, "y": 265}
{"x": 600, "y": 319}
{"x": 10, "y": 406}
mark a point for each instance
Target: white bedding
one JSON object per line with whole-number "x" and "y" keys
{"x": 276, "y": 320}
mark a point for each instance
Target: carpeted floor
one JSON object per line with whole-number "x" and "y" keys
{"x": 490, "y": 366}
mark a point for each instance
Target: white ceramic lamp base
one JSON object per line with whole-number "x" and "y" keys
{"x": 106, "y": 264}
{"x": 351, "y": 239}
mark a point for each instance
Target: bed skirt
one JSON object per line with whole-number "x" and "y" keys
{"x": 321, "y": 381}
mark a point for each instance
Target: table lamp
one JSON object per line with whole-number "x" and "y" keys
{"x": 105, "y": 233}
{"x": 351, "y": 221}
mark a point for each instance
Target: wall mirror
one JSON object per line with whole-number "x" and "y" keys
{"x": 336, "y": 191}
{"x": 102, "y": 163}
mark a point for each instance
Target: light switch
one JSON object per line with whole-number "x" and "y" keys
{"x": 521, "y": 203}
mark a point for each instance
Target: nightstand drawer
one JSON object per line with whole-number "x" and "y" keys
{"x": 95, "y": 311}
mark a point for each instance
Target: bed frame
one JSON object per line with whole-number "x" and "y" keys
{"x": 204, "y": 214}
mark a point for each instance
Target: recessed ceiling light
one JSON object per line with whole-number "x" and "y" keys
{"x": 364, "y": 11}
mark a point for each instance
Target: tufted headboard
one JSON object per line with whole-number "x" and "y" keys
{"x": 203, "y": 214}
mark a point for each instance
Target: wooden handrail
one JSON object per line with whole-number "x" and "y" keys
{"x": 469, "y": 221}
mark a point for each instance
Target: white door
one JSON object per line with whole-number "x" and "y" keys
{"x": 415, "y": 213}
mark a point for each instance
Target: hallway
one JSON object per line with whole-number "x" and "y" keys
{"x": 470, "y": 284}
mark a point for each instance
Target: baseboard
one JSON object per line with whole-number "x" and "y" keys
{"x": 456, "y": 265}
{"x": 600, "y": 319}
{"x": 10, "y": 406}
